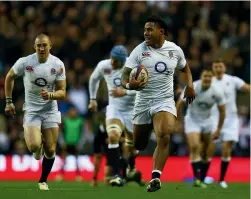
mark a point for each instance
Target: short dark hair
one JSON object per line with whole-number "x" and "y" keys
{"x": 207, "y": 68}
{"x": 218, "y": 60}
{"x": 160, "y": 21}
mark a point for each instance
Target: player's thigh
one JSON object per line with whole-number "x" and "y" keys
{"x": 32, "y": 129}
{"x": 128, "y": 126}
{"x": 193, "y": 140}
{"x": 50, "y": 138}
{"x": 33, "y": 137}
{"x": 163, "y": 124}
{"x": 141, "y": 135}
{"x": 207, "y": 130}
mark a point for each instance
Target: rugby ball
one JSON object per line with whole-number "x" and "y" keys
{"x": 140, "y": 73}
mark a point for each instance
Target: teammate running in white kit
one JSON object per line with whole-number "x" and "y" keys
{"x": 44, "y": 83}
{"x": 229, "y": 85}
{"x": 199, "y": 123}
{"x": 154, "y": 105}
{"x": 118, "y": 112}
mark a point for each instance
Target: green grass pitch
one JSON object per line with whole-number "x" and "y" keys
{"x": 76, "y": 190}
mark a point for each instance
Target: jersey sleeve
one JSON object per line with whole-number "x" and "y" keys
{"x": 133, "y": 60}
{"x": 19, "y": 66}
{"x": 95, "y": 78}
{"x": 238, "y": 82}
{"x": 220, "y": 98}
{"x": 181, "y": 60}
{"x": 61, "y": 72}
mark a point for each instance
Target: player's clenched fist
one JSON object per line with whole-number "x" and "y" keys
{"x": 10, "y": 109}
{"x": 189, "y": 95}
{"x": 93, "y": 105}
{"x": 136, "y": 84}
{"x": 117, "y": 92}
{"x": 46, "y": 95}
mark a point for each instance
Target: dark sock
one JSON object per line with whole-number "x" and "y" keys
{"x": 224, "y": 166}
{"x": 46, "y": 168}
{"x": 203, "y": 170}
{"x": 123, "y": 166}
{"x": 131, "y": 161}
{"x": 113, "y": 157}
{"x": 196, "y": 169}
{"x": 155, "y": 174}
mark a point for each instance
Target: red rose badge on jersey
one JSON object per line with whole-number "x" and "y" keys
{"x": 61, "y": 71}
{"x": 53, "y": 71}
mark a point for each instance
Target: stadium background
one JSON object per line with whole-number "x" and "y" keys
{"x": 83, "y": 33}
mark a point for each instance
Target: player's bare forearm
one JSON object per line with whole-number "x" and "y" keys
{"x": 9, "y": 83}
{"x": 125, "y": 76}
{"x": 222, "y": 111}
{"x": 60, "y": 93}
{"x": 245, "y": 88}
{"x": 188, "y": 74}
{"x": 179, "y": 106}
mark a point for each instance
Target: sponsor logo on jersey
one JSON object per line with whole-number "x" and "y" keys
{"x": 107, "y": 71}
{"x": 29, "y": 68}
{"x": 53, "y": 71}
{"x": 117, "y": 81}
{"x": 41, "y": 82}
{"x": 146, "y": 54}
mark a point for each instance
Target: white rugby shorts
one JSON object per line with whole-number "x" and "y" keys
{"x": 125, "y": 117}
{"x": 230, "y": 129}
{"x": 144, "y": 111}
{"x": 198, "y": 126}
{"x": 43, "y": 119}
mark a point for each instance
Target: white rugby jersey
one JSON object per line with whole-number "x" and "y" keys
{"x": 229, "y": 86}
{"x": 38, "y": 76}
{"x": 161, "y": 64}
{"x": 113, "y": 79}
{"x": 201, "y": 107}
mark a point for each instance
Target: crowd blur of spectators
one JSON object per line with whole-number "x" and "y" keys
{"x": 83, "y": 33}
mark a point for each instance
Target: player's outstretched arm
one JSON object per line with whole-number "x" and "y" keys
{"x": 125, "y": 77}
{"x": 189, "y": 92}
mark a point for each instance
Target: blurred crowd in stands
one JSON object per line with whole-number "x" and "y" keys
{"x": 83, "y": 33}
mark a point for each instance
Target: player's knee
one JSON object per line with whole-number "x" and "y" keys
{"x": 33, "y": 147}
{"x": 113, "y": 137}
{"x": 114, "y": 132}
{"x": 194, "y": 148}
{"x": 163, "y": 140}
{"x": 129, "y": 143}
{"x": 50, "y": 152}
{"x": 226, "y": 154}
